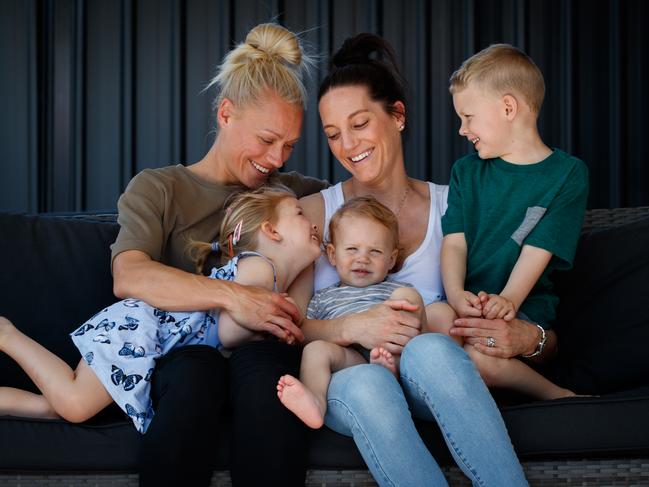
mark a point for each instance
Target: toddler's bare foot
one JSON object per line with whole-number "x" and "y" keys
{"x": 381, "y": 356}
{"x": 300, "y": 400}
{"x": 6, "y": 327}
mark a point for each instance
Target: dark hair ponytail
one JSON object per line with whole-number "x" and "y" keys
{"x": 367, "y": 60}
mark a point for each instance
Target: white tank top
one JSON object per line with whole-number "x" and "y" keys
{"x": 421, "y": 268}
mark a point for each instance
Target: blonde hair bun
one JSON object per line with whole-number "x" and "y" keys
{"x": 271, "y": 58}
{"x": 274, "y": 41}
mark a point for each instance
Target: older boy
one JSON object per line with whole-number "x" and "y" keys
{"x": 514, "y": 214}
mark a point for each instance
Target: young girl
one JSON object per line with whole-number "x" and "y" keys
{"x": 268, "y": 242}
{"x": 364, "y": 247}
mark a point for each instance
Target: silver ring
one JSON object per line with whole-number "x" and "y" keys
{"x": 491, "y": 342}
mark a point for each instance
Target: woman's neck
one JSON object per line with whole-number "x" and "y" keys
{"x": 211, "y": 168}
{"x": 393, "y": 192}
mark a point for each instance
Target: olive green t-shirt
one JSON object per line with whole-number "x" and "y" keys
{"x": 501, "y": 206}
{"x": 162, "y": 209}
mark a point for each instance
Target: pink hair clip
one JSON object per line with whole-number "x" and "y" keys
{"x": 236, "y": 236}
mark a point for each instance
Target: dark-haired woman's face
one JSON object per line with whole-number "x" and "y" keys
{"x": 363, "y": 137}
{"x": 257, "y": 139}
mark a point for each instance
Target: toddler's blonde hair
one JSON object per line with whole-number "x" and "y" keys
{"x": 252, "y": 209}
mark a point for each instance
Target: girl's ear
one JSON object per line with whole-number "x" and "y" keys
{"x": 268, "y": 229}
{"x": 510, "y": 104}
{"x": 331, "y": 254}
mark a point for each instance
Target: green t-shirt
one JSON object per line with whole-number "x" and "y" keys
{"x": 501, "y": 206}
{"x": 162, "y": 209}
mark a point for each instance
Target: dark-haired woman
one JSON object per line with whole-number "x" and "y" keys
{"x": 363, "y": 111}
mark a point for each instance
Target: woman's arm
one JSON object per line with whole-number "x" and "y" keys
{"x": 136, "y": 275}
{"x": 390, "y": 324}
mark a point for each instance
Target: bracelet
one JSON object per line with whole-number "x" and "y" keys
{"x": 540, "y": 345}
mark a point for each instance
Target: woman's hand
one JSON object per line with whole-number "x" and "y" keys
{"x": 509, "y": 339}
{"x": 260, "y": 310}
{"x": 391, "y": 324}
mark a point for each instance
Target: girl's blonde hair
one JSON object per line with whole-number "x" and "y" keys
{"x": 271, "y": 58}
{"x": 369, "y": 207}
{"x": 502, "y": 68}
{"x": 250, "y": 209}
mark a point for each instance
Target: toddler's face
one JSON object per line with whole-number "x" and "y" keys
{"x": 483, "y": 120}
{"x": 363, "y": 252}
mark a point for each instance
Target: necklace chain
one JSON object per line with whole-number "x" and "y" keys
{"x": 403, "y": 200}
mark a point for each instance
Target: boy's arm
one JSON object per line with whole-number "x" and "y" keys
{"x": 453, "y": 266}
{"x": 526, "y": 272}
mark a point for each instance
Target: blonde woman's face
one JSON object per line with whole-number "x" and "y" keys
{"x": 363, "y": 137}
{"x": 257, "y": 139}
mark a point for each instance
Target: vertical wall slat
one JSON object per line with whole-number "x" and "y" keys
{"x": 99, "y": 90}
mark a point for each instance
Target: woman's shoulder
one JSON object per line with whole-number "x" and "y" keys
{"x": 433, "y": 192}
{"x": 313, "y": 207}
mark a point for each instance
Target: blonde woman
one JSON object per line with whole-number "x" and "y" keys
{"x": 258, "y": 112}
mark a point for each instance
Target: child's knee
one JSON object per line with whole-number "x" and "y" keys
{"x": 409, "y": 294}
{"x": 319, "y": 349}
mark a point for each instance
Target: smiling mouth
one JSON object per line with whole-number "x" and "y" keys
{"x": 259, "y": 168}
{"x": 475, "y": 141}
{"x": 361, "y": 156}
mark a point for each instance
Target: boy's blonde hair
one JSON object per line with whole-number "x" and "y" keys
{"x": 502, "y": 68}
{"x": 271, "y": 58}
{"x": 252, "y": 209}
{"x": 368, "y": 207}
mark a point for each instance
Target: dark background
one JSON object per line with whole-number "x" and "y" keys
{"x": 91, "y": 92}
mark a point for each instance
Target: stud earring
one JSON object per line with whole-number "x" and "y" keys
{"x": 401, "y": 127}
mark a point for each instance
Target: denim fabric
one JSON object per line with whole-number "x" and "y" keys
{"x": 440, "y": 383}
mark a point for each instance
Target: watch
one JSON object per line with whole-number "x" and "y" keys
{"x": 540, "y": 345}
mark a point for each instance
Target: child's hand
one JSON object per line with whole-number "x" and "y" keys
{"x": 498, "y": 307}
{"x": 466, "y": 304}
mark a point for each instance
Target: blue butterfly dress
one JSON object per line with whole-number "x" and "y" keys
{"x": 122, "y": 342}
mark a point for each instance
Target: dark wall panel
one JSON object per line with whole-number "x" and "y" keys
{"x": 94, "y": 91}
{"x": 18, "y": 129}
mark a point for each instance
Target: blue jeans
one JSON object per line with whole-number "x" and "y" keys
{"x": 439, "y": 383}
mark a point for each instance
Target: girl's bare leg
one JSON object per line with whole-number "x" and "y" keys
{"x": 439, "y": 319}
{"x": 75, "y": 395}
{"x": 515, "y": 374}
{"x": 16, "y": 402}
{"x": 308, "y": 399}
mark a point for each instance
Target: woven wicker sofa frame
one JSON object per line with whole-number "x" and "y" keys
{"x": 560, "y": 472}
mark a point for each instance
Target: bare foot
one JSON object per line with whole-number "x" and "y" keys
{"x": 381, "y": 356}
{"x": 6, "y": 327}
{"x": 300, "y": 400}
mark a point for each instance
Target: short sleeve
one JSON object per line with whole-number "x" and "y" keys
{"x": 313, "y": 310}
{"x": 453, "y": 219}
{"x": 140, "y": 217}
{"x": 300, "y": 184}
{"x": 559, "y": 228}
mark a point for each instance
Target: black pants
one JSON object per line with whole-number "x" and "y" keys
{"x": 189, "y": 391}
{"x": 269, "y": 443}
